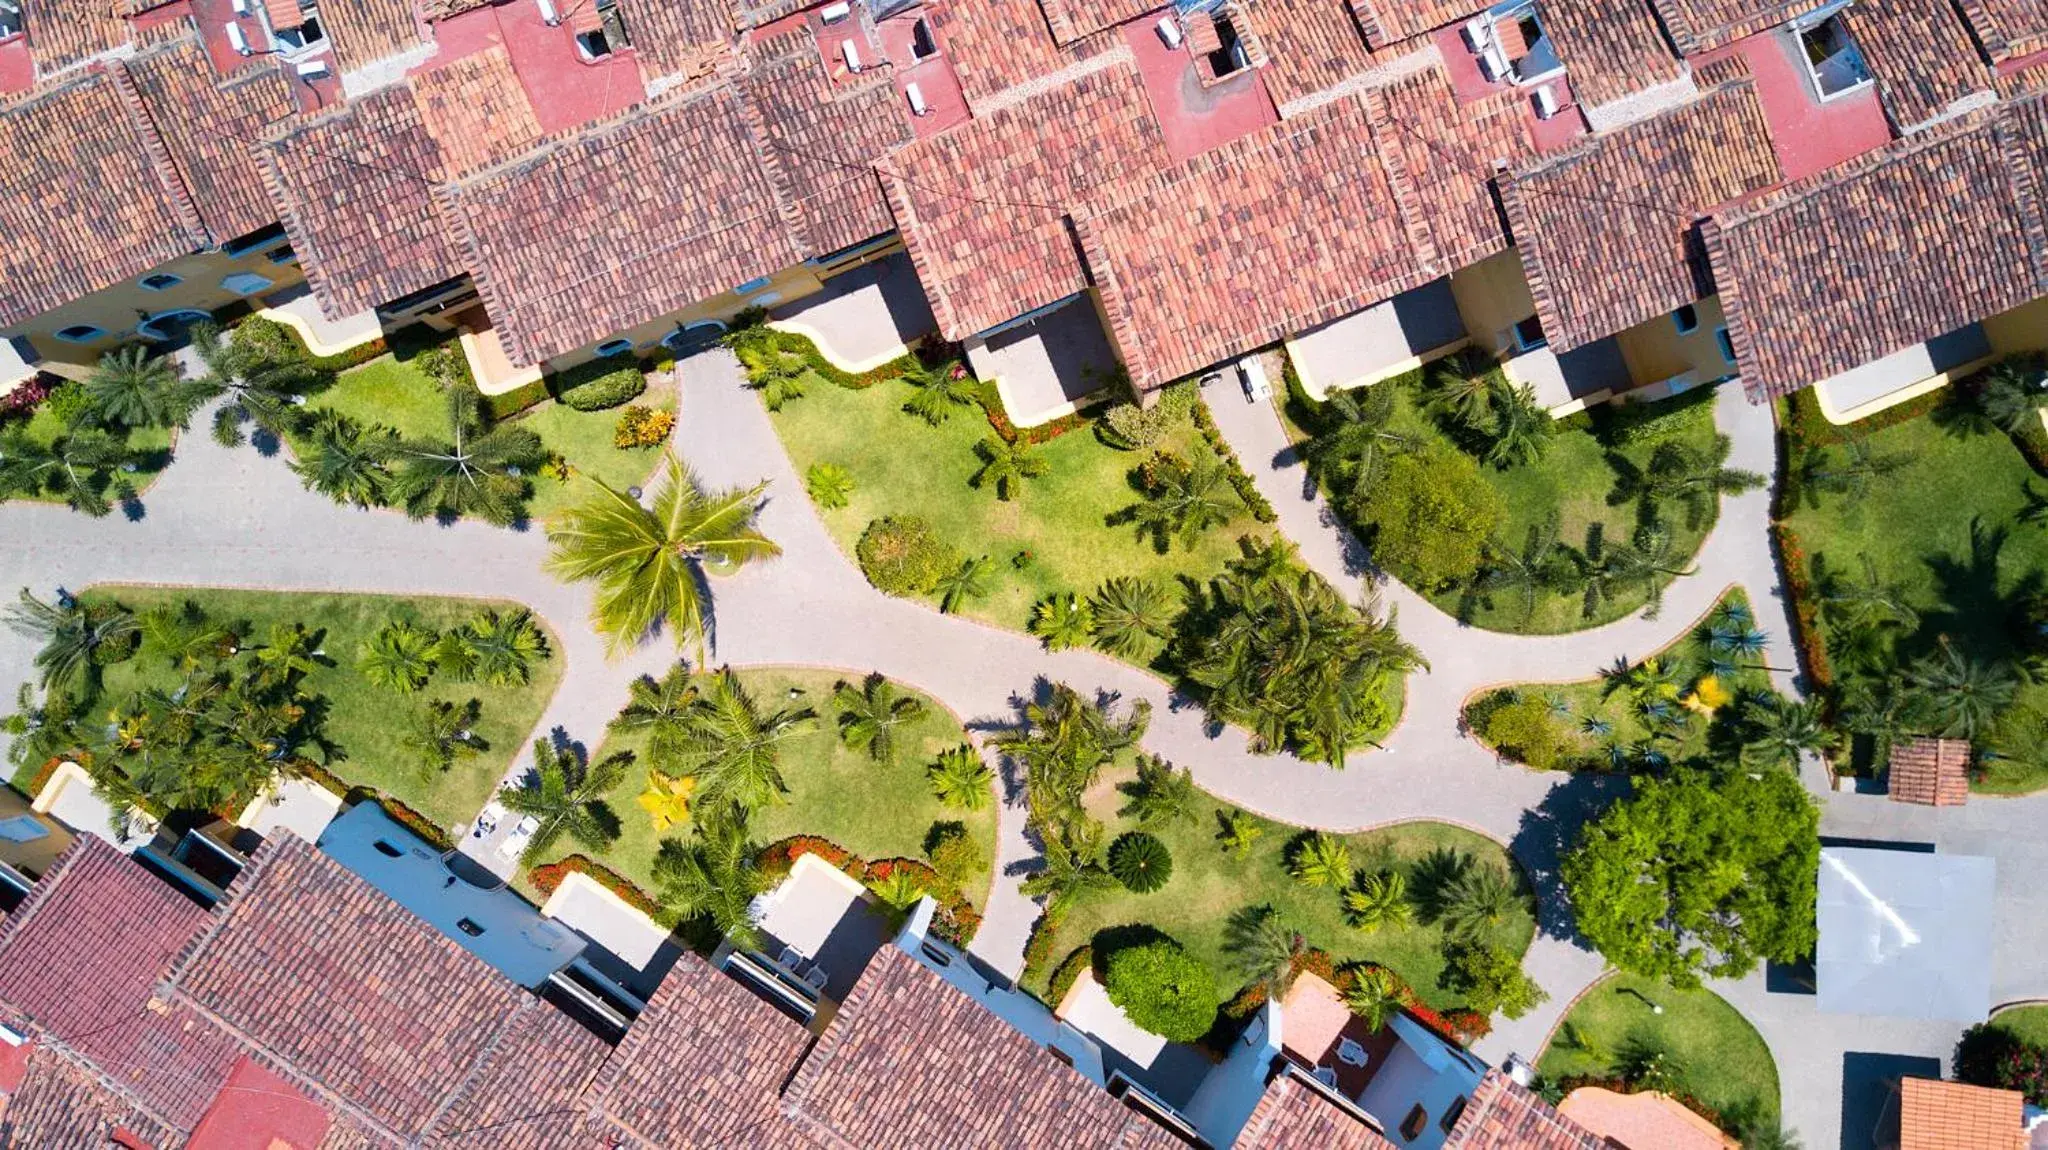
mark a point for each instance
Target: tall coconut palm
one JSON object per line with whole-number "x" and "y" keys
{"x": 1871, "y": 601}
{"x": 973, "y": 579}
{"x": 1849, "y": 474}
{"x": 1064, "y": 744}
{"x": 730, "y": 746}
{"x": 1263, "y": 948}
{"x": 1645, "y": 564}
{"x": 477, "y": 470}
{"x": 567, "y": 793}
{"x": 1355, "y": 439}
{"x": 131, "y": 388}
{"x": 344, "y": 460}
{"x": 714, "y": 874}
{"x": 1131, "y": 615}
{"x": 1539, "y": 566}
{"x": 84, "y": 468}
{"x": 1006, "y": 466}
{"x": 439, "y": 732}
{"x": 76, "y": 638}
{"x": 649, "y": 565}
{"x": 960, "y": 779}
{"x": 1375, "y": 996}
{"x": 1184, "y": 503}
{"x": 1160, "y": 795}
{"x": 1959, "y": 695}
{"x": 1458, "y": 388}
{"x": 257, "y": 389}
{"x": 874, "y": 715}
{"x": 937, "y": 391}
{"x": 1695, "y": 479}
{"x": 660, "y": 709}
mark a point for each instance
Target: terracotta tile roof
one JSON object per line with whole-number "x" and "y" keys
{"x": 62, "y": 1106}
{"x": 1606, "y": 231}
{"x": 1697, "y": 26}
{"x": 366, "y": 31}
{"x": 822, "y": 144}
{"x": 1933, "y": 772}
{"x": 702, "y": 1065}
{"x": 1642, "y": 1121}
{"x": 983, "y": 207}
{"x": 1610, "y": 48}
{"x": 476, "y": 109}
{"x": 912, "y": 1061}
{"x": 2026, "y": 148}
{"x": 319, "y": 973}
{"x": 62, "y": 33}
{"x": 210, "y": 127}
{"x": 1292, "y": 1113}
{"x": 1388, "y": 22}
{"x": 1311, "y": 45}
{"x": 353, "y": 189}
{"x": 630, "y": 231}
{"x": 2008, "y": 29}
{"x": 995, "y": 45}
{"x": 1888, "y": 250}
{"x": 1951, "y": 1116}
{"x": 1920, "y": 53}
{"x": 527, "y": 1094}
{"x": 1071, "y": 20}
{"x": 1504, "y": 1116}
{"x": 1442, "y": 157}
{"x": 88, "y": 195}
{"x": 686, "y": 38}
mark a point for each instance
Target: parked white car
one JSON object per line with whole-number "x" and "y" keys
{"x": 522, "y": 833}
{"x": 487, "y": 819}
{"x": 1253, "y": 378}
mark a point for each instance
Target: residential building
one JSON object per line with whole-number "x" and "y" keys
{"x": 1928, "y": 1114}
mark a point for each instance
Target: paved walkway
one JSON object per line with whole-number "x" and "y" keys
{"x": 222, "y": 517}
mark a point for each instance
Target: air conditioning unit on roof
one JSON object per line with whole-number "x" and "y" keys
{"x": 834, "y": 13}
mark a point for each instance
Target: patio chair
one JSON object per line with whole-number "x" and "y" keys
{"x": 1350, "y": 1053}
{"x": 815, "y": 978}
{"x": 789, "y": 959}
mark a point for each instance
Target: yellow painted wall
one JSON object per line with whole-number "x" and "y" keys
{"x": 1492, "y": 297}
{"x": 1655, "y": 351}
{"x": 2024, "y": 328}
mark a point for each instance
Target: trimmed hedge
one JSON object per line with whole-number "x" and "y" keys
{"x": 419, "y": 824}
{"x": 1163, "y": 989}
{"x": 956, "y": 920}
{"x": 1069, "y": 972}
{"x": 282, "y": 342}
{"x": 902, "y": 555}
{"x": 599, "y": 384}
{"x": 1240, "y": 479}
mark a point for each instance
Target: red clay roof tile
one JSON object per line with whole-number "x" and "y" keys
{"x": 995, "y": 45}
{"x": 63, "y": 1106}
{"x": 1702, "y": 25}
{"x": 821, "y": 142}
{"x": 1952, "y": 1116}
{"x": 1921, "y": 55}
{"x": 528, "y": 1092}
{"x": 1310, "y": 46}
{"x": 210, "y": 127}
{"x": 1933, "y": 772}
{"x": 1293, "y": 1113}
{"x": 476, "y": 110}
{"x": 1611, "y": 49}
{"x": 1504, "y": 1116}
{"x": 2008, "y": 29}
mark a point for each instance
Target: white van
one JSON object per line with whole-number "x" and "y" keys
{"x": 1253, "y": 378}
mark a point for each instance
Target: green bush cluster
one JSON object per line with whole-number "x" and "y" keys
{"x": 1240, "y": 480}
{"x": 278, "y": 343}
{"x": 1521, "y": 727}
{"x": 1432, "y": 516}
{"x": 903, "y": 555}
{"x": 1163, "y": 989}
{"x": 600, "y": 384}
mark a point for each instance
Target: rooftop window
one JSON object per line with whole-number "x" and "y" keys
{"x": 294, "y": 26}
{"x": 10, "y": 19}
{"x": 1832, "y": 59}
{"x": 1230, "y": 55}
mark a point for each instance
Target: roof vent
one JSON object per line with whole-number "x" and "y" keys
{"x": 834, "y": 13}
{"x": 236, "y": 40}
{"x": 850, "y": 54}
{"x": 1546, "y": 102}
{"x": 1169, "y": 31}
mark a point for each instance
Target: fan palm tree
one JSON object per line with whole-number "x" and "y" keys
{"x": 344, "y": 460}
{"x": 1131, "y": 615}
{"x": 1355, "y": 440}
{"x": 440, "y": 732}
{"x": 874, "y": 714}
{"x": 778, "y": 374}
{"x": 478, "y": 470}
{"x": 1695, "y": 479}
{"x": 1479, "y": 898}
{"x": 649, "y": 564}
{"x": 1781, "y": 729}
{"x": 258, "y": 389}
{"x": 1263, "y": 948}
{"x": 131, "y": 388}
{"x": 84, "y": 468}
{"x": 1160, "y": 795}
{"x": 936, "y": 391}
{"x": 1521, "y": 427}
{"x": 973, "y": 579}
{"x": 1960, "y": 696}
{"x": 1321, "y": 859}
{"x": 496, "y": 648}
{"x": 1375, "y": 996}
{"x": 960, "y": 779}
{"x": 2012, "y": 393}
{"x": 399, "y": 657}
{"x": 566, "y": 792}
{"x": 1072, "y": 871}
{"x": 1379, "y": 900}
{"x": 714, "y": 874}
{"x": 74, "y": 638}
{"x": 730, "y": 746}
{"x": 1184, "y": 503}
{"x": 1005, "y": 466}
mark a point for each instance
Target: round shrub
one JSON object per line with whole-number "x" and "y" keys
{"x": 600, "y": 384}
{"x": 67, "y": 402}
{"x": 640, "y": 426}
{"x": 1140, "y": 862}
{"x": 902, "y": 556}
{"x": 1163, "y": 989}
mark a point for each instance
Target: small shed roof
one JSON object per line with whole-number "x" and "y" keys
{"x": 1905, "y": 934}
{"x": 1933, "y": 772}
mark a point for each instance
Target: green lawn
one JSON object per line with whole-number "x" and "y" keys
{"x": 1588, "y": 717}
{"x": 2030, "y": 1023}
{"x": 902, "y": 466}
{"x": 152, "y": 444}
{"x": 1573, "y": 481}
{"x": 1918, "y": 534}
{"x": 1209, "y": 884}
{"x": 1720, "y": 1057}
{"x": 877, "y": 811}
{"x": 367, "y": 721}
{"x": 389, "y": 391}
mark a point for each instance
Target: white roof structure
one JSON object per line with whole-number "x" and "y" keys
{"x": 1905, "y": 934}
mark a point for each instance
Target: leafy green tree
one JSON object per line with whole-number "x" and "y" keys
{"x": 496, "y": 648}
{"x": 1162, "y": 989}
{"x": 1779, "y": 730}
{"x": 937, "y": 391}
{"x": 1184, "y": 503}
{"x": 84, "y": 468}
{"x": 441, "y": 732}
{"x": 131, "y": 388}
{"x": 873, "y": 715}
{"x": 1006, "y": 466}
{"x": 1697, "y": 875}
{"x": 1379, "y": 900}
{"x": 257, "y": 387}
{"x": 649, "y": 565}
{"x": 1477, "y": 901}
{"x": 77, "y": 639}
{"x": 567, "y": 793}
{"x": 344, "y": 460}
{"x": 972, "y": 580}
{"x": 1263, "y": 948}
{"x": 960, "y": 779}
{"x": 1321, "y": 859}
{"x": 1490, "y": 977}
{"x": 1238, "y": 832}
{"x": 1355, "y": 440}
{"x": 1375, "y": 995}
{"x": 1959, "y": 695}
{"x": 1062, "y": 621}
{"x": 1160, "y": 795}
{"x": 1131, "y": 615}
{"x": 729, "y": 745}
{"x": 714, "y": 874}
{"x": 477, "y": 470}
{"x": 1431, "y": 516}
{"x": 830, "y": 485}
{"x": 399, "y": 657}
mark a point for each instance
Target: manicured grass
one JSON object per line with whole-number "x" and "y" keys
{"x": 875, "y": 810}
{"x": 902, "y": 466}
{"x": 1579, "y": 707}
{"x": 2030, "y": 1023}
{"x": 1209, "y": 884}
{"x": 152, "y": 445}
{"x": 389, "y": 391}
{"x": 1917, "y": 530}
{"x": 364, "y": 720}
{"x": 1721, "y": 1058}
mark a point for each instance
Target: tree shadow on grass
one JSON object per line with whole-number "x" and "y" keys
{"x": 1547, "y": 832}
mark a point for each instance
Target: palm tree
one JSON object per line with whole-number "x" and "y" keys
{"x": 76, "y": 638}
{"x": 1521, "y": 427}
{"x": 1321, "y": 859}
{"x": 1160, "y": 795}
{"x": 973, "y": 579}
{"x": 399, "y": 657}
{"x": 478, "y": 470}
{"x": 184, "y": 637}
{"x": 1960, "y": 696}
{"x": 1238, "y": 832}
{"x": 131, "y": 388}
{"x": 1263, "y": 948}
{"x": 1063, "y": 621}
{"x": 495, "y": 648}
{"x": 936, "y": 391}
{"x": 258, "y": 389}
{"x": 1538, "y": 567}
{"x": 661, "y": 709}
{"x": 731, "y": 747}
{"x": 1072, "y": 871}
{"x": 1063, "y": 745}
{"x": 1355, "y": 440}
{"x": 41, "y": 731}
{"x": 2012, "y": 394}
{"x": 288, "y": 653}
{"x": 1005, "y": 466}
{"x": 1782, "y": 729}
{"x": 960, "y": 779}
{"x": 1379, "y": 900}
{"x": 778, "y": 374}
{"x": 873, "y": 714}
{"x": 344, "y": 460}
{"x": 1455, "y": 388}
{"x": 1375, "y": 996}
{"x": 1872, "y": 602}
{"x": 649, "y": 564}
{"x": 1820, "y": 473}
{"x": 714, "y": 874}
{"x": 1647, "y": 563}
{"x": 440, "y": 732}
{"x": 1130, "y": 615}
{"x": 82, "y": 468}
{"x": 1877, "y": 707}
{"x": 566, "y": 792}
{"x": 1697, "y": 479}
{"x": 1184, "y": 502}
{"x": 1477, "y": 899}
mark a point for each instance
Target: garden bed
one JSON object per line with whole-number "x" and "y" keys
{"x": 1709, "y": 1050}
{"x": 151, "y": 447}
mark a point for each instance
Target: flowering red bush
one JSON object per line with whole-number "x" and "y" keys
{"x": 956, "y": 920}
{"x": 546, "y": 878}
{"x": 1992, "y": 1056}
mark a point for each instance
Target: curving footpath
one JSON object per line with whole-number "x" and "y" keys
{"x": 234, "y": 518}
